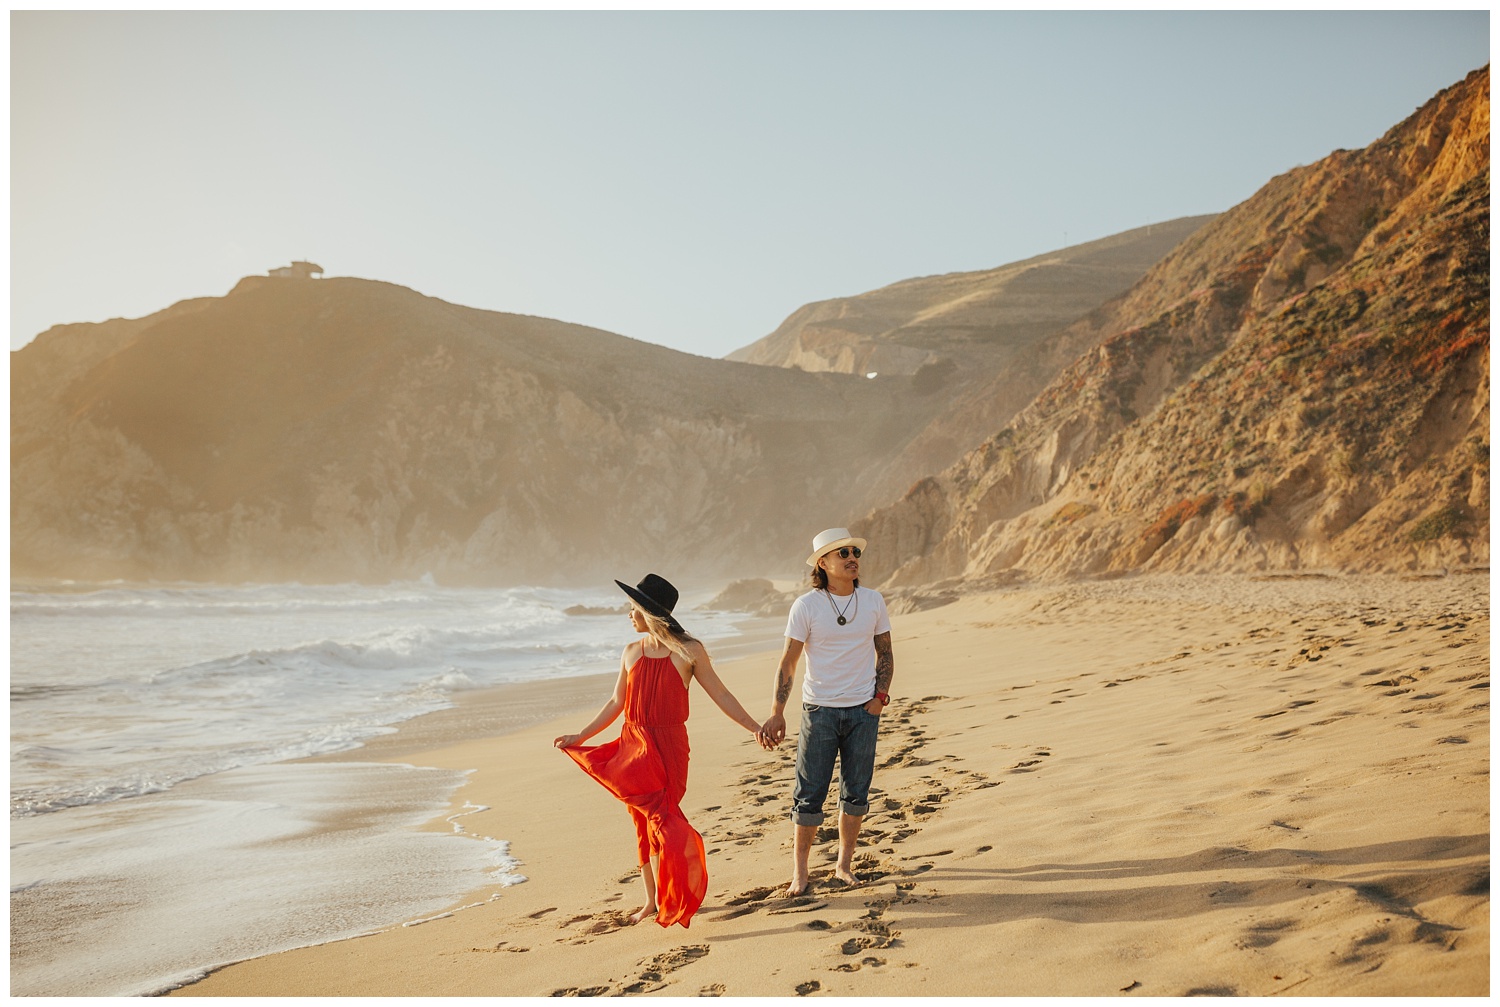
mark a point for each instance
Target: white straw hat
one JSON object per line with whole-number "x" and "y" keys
{"x": 833, "y": 538}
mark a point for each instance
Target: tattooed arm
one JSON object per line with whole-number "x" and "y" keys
{"x": 885, "y": 669}
{"x": 773, "y": 731}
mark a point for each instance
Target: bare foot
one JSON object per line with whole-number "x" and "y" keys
{"x": 846, "y": 875}
{"x": 644, "y": 913}
{"x": 796, "y": 887}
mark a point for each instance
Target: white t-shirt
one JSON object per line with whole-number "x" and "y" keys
{"x": 840, "y": 667}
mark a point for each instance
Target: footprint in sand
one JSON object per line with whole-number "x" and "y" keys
{"x": 581, "y": 991}
{"x": 874, "y": 934}
{"x": 801, "y": 904}
{"x": 600, "y": 923}
{"x": 655, "y": 969}
{"x": 748, "y": 902}
{"x": 502, "y": 946}
{"x": 855, "y": 945}
{"x": 541, "y": 912}
{"x": 868, "y": 867}
{"x": 811, "y": 986}
{"x": 714, "y": 990}
{"x": 753, "y": 895}
{"x": 735, "y": 914}
{"x": 1263, "y": 935}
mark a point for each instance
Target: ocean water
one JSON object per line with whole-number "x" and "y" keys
{"x": 158, "y": 828}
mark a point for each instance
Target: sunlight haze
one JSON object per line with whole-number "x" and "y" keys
{"x": 687, "y": 179}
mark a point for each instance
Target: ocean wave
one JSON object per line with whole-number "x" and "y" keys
{"x": 21, "y": 693}
{"x": 407, "y": 650}
{"x": 136, "y": 693}
{"x": 160, "y": 775}
{"x": 272, "y": 598}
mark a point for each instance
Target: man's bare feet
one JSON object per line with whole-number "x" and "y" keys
{"x": 644, "y": 913}
{"x": 797, "y": 887}
{"x": 846, "y": 875}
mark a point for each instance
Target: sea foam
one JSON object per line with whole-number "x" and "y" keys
{"x": 158, "y": 829}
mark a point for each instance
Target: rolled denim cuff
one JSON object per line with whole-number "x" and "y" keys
{"x": 854, "y": 810}
{"x": 807, "y": 817}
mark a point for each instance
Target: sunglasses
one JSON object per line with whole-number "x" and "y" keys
{"x": 847, "y": 550}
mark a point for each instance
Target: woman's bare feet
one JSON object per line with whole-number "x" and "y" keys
{"x": 648, "y": 878}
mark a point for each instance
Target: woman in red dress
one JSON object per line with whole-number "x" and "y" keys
{"x": 646, "y": 767}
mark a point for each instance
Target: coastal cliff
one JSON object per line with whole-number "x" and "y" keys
{"x": 1302, "y": 384}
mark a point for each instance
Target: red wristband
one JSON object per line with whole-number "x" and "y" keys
{"x": 884, "y": 697}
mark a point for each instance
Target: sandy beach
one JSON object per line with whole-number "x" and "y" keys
{"x": 1154, "y": 786}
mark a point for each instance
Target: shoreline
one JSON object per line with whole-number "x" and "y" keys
{"x": 1228, "y": 738}
{"x": 289, "y": 852}
{"x": 476, "y": 714}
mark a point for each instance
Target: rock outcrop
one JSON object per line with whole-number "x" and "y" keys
{"x": 755, "y": 595}
{"x": 1301, "y": 384}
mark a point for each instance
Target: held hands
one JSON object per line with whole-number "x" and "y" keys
{"x": 772, "y": 732}
{"x": 566, "y": 740}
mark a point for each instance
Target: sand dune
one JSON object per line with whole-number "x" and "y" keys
{"x": 1157, "y": 786}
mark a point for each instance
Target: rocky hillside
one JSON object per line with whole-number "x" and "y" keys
{"x": 340, "y": 429}
{"x": 977, "y": 343}
{"x": 1301, "y": 384}
{"x": 964, "y": 322}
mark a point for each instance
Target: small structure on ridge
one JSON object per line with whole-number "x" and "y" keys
{"x": 298, "y": 270}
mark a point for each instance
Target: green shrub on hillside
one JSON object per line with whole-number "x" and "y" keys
{"x": 1448, "y": 522}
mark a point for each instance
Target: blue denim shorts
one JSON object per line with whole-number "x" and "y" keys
{"x": 829, "y": 732}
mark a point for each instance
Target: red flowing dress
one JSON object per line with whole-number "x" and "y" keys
{"x": 646, "y": 767}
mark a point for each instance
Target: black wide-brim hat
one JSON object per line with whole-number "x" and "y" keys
{"x": 657, "y": 596}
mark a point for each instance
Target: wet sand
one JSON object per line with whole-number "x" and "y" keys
{"x": 1155, "y": 787}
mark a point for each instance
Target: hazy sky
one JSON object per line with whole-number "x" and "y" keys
{"x": 687, "y": 179}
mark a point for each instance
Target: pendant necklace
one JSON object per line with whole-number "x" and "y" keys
{"x": 840, "y": 611}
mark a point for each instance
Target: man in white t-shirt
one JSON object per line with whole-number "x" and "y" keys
{"x": 845, "y": 632}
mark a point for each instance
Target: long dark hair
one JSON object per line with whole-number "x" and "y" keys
{"x": 820, "y": 578}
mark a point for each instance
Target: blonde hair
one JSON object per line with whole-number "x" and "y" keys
{"x": 675, "y": 640}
